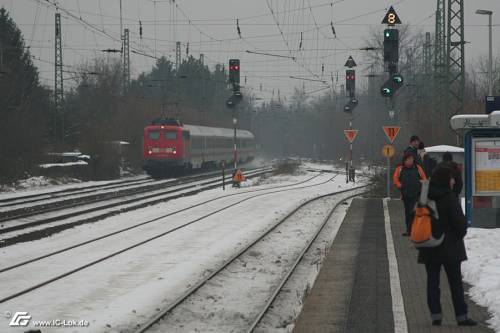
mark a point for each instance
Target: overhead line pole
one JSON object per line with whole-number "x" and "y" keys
{"x": 126, "y": 61}
{"x": 58, "y": 86}
{"x": 440, "y": 70}
{"x": 456, "y": 58}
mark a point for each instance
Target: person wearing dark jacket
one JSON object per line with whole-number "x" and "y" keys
{"x": 413, "y": 149}
{"x": 428, "y": 162}
{"x": 457, "y": 173}
{"x": 450, "y": 253}
{"x": 407, "y": 179}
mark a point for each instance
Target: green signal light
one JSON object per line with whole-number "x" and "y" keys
{"x": 386, "y": 92}
{"x": 387, "y": 34}
{"x": 398, "y": 79}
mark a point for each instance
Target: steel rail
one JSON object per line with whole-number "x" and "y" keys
{"x": 47, "y": 207}
{"x": 292, "y": 268}
{"x": 238, "y": 254}
{"x": 60, "y": 217}
{"x": 25, "y": 198}
{"x": 94, "y": 262}
{"x": 5, "y": 269}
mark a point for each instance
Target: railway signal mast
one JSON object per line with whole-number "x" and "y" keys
{"x": 350, "y": 85}
{"x": 391, "y": 57}
{"x": 232, "y": 102}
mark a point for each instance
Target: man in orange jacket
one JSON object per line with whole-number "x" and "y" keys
{"x": 238, "y": 178}
{"x": 407, "y": 178}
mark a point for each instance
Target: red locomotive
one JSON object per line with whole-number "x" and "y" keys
{"x": 171, "y": 146}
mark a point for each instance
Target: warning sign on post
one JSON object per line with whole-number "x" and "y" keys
{"x": 350, "y": 135}
{"x": 486, "y": 166}
{"x": 388, "y": 151}
{"x": 391, "y": 132}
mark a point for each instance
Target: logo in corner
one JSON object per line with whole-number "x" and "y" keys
{"x": 20, "y": 319}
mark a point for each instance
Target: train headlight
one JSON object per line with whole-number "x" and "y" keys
{"x": 174, "y": 152}
{"x": 150, "y": 152}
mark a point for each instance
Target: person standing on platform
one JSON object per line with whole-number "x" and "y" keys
{"x": 407, "y": 178}
{"x": 413, "y": 149}
{"x": 428, "y": 162}
{"x": 457, "y": 172}
{"x": 448, "y": 254}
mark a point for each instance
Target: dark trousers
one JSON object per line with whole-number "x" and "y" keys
{"x": 454, "y": 274}
{"x": 409, "y": 203}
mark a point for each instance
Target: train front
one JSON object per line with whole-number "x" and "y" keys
{"x": 163, "y": 150}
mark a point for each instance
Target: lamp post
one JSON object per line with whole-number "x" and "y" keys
{"x": 490, "y": 60}
{"x": 235, "y": 153}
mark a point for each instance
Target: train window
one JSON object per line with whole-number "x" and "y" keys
{"x": 169, "y": 135}
{"x": 154, "y": 135}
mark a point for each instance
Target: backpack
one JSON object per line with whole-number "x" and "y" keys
{"x": 426, "y": 231}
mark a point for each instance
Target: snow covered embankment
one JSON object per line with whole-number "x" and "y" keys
{"x": 482, "y": 270}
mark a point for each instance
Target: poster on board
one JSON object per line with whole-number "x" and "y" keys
{"x": 486, "y": 166}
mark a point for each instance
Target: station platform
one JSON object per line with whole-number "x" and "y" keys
{"x": 371, "y": 282}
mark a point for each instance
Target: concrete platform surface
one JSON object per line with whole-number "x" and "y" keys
{"x": 352, "y": 292}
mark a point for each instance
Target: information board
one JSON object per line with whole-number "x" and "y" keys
{"x": 486, "y": 162}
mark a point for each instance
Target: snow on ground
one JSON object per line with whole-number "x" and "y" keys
{"x": 288, "y": 304}
{"x": 62, "y": 165}
{"x": 233, "y": 298}
{"x": 482, "y": 270}
{"x": 41, "y": 184}
{"x": 35, "y": 182}
{"x": 129, "y": 288}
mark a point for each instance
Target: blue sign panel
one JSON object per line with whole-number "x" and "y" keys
{"x": 492, "y": 104}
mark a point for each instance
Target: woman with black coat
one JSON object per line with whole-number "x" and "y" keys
{"x": 450, "y": 253}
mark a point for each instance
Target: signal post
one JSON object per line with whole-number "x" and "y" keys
{"x": 391, "y": 58}
{"x": 350, "y": 134}
{"x": 233, "y": 101}
{"x": 388, "y": 152}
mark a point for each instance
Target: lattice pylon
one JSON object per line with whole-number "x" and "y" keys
{"x": 178, "y": 58}
{"x": 456, "y": 56}
{"x": 58, "y": 79}
{"x": 440, "y": 72}
{"x": 126, "y": 60}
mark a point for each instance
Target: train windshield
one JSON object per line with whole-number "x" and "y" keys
{"x": 169, "y": 135}
{"x": 154, "y": 135}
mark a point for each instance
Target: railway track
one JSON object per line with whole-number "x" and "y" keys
{"x": 228, "y": 277}
{"x": 45, "y": 225}
{"x": 36, "y": 197}
{"x": 15, "y": 271}
{"x": 17, "y": 208}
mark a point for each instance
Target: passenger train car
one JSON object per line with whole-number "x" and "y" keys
{"x": 171, "y": 146}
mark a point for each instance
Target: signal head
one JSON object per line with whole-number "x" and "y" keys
{"x": 386, "y": 92}
{"x": 398, "y": 79}
{"x": 234, "y": 71}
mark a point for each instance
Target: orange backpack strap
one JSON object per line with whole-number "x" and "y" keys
{"x": 421, "y": 173}
{"x": 395, "y": 177}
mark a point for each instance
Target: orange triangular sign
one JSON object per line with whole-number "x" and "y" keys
{"x": 391, "y": 132}
{"x": 350, "y": 135}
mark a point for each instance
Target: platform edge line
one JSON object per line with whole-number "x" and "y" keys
{"x": 398, "y": 308}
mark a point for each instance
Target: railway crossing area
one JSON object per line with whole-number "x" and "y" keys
{"x": 371, "y": 282}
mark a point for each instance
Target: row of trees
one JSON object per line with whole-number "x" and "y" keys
{"x": 24, "y": 103}
{"x": 97, "y": 110}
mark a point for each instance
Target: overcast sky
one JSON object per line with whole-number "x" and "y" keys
{"x": 209, "y": 26}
